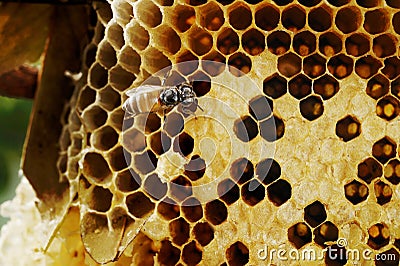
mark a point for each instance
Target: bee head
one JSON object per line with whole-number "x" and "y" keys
{"x": 186, "y": 94}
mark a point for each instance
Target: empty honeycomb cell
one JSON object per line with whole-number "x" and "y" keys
{"x": 139, "y": 204}
{"x": 137, "y": 36}
{"x": 106, "y": 55}
{"x": 260, "y": 107}
{"x": 338, "y": 3}
{"x": 289, "y": 65}
{"x": 165, "y": 2}
{"x": 201, "y": 83}
{"x": 272, "y": 129}
{"x": 167, "y": 39}
{"x": 239, "y": 64}
{"x": 245, "y": 128}
{"x": 86, "y": 97}
{"x": 196, "y": 2}
{"x": 89, "y": 56}
{"x": 278, "y": 42}
{"x": 134, "y": 140}
{"x": 384, "y": 45}
{"x": 376, "y": 21}
{"x": 282, "y": 2}
{"x": 187, "y": 69}
{"x": 184, "y": 144}
{"x": 155, "y": 60}
{"x": 145, "y": 162}
{"x": 326, "y": 232}
{"x": 241, "y": 170}
{"x": 184, "y": 17}
{"x": 392, "y": 171}
{"x": 348, "y": 19}
{"x": 304, "y": 43}
{"x": 120, "y": 79}
{"x": 348, "y": 128}
{"x": 168, "y": 254}
{"x": 383, "y": 192}
{"x": 115, "y": 35}
{"x": 388, "y": 108}
{"x": 394, "y": 256}
{"x": 395, "y": 88}
{"x": 228, "y": 191}
{"x": 377, "y": 86}
{"x": 203, "y": 233}
{"x": 367, "y": 66}
{"x": 127, "y": 181}
{"x": 315, "y": 213}
{"x": 275, "y": 86}
{"x": 153, "y": 123}
{"x": 369, "y": 169}
{"x": 195, "y": 168}
{"x": 253, "y": 42}
{"x": 213, "y": 63}
{"x": 293, "y": 18}
{"x": 98, "y": 76}
{"x": 368, "y": 3}
{"x": 336, "y": 255}
{"x": 192, "y": 254}
{"x": 168, "y": 209}
{"x": 319, "y": 19}
{"x": 329, "y": 44}
{"x": 96, "y": 167}
{"x": 159, "y": 143}
{"x": 309, "y": 3}
{"x": 378, "y": 236}
{"x": 267, "y": 171}
{"x": 357, "y": 44}
{"x": 300, "y": 86}
{"x": 192, "y": 209}
{"x": 267, "y": 17}
{"x": 211, "y": 16}
{"x": 100, "y": 199}
{"x": 117, "y": 119}
{"x": 391, "y": 67}
{"x": 180, "y": 188}
{"x": 326, "y": 86}
{"x": 155, "y": 187}
{"x": 314, "y": 65}
{"x": 109, "y": 98}
{"x": 396, "y": 22}
{"x": 240, "y": 17}
{"x": 116, "y": 159}
{"x": 216, "y": 212}
{"x": 173, "y": 124}
{"x": 252, "y": 192}
{"x": 225, "y": 2}
{"x": 129, "y": 59}
{"x": 340, "y": 66}
{"x": 179, "y": 230}
{"x": 279, "y": 192}
{"x": 200, "y": 41}
{"x": 149, "y": 14}
{"x": 356, "y": 192}
{"x": 311, "y": 107}
{"x": 299, "y": 234}
{"x": 237, "y": 254}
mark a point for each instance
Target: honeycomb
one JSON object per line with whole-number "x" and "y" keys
{"x": 307, "y": 160}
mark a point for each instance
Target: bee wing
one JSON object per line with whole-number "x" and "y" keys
{"x": 144, "y": 89}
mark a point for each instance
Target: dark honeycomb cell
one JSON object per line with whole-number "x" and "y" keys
{"x": 179, "y": 230}
{"x": 168, "y": 254}
{"x": 116, "y": 159}
{"x": 192, "y": 254}
{"x": 378, "y": 236}
{"x": 253, "y": 42}
{"x": 167, "y": 39}
{"x": 184, "y": 144}
{"x": 356, "y": 192}
{"x": 369, "y": 169}
{"x": 338, "y": 3}
{"x": 383, "y": 192}
{"x": 225, "y": 2}
{"x": 120, "y": 79}
{"x": 376, "y": 21}
{"x": 159, "y": 142}
{"x": 228, "y": 191}
{"x": 272, "y": 129}
{"x": 394, "y": 256}
{"x": 388, "y": 108}
{"x": 314, "y": 65}
{"x": 336, "y": 255}
{"x": 396, "y": 22}
{"x": 240, "y": 17}
{"x": 289, "y": 65}
{"x": 104, "y": 138}
{"x": 395, "y": 85}
{"x": 304, "y": 43}
{"x": 201, "y": 83}
{"x": 245, "y": 128}
{"x": 293, "y": 18}
{"x": 319, "y": 19}
{"x": 239, "y": 64}
{"x": 368, "y": 3}
{"x": 168, "y": 209}
{"x": 367, "y": 66}
{"x": 216, "y": 212}
{"x": 384, "y": 45}
{"x": 155, "y": 187}
{"x": 315, "y": 214}
{"x": 340, "y": 66}
{"x": 139, "y": 204}
{"x": 260, "y": 107}
{"x": 100, "y": 199}
{"x": 129, "y": 59}
{"x": 278, "y": 42}
{"x": 330, "y": 44}
{"x": 196, "y": 168}
{"x": 109, "y": 98}
{"x": 127, "y": 181}
{"x": 86, "y": 97}
{"x": 203, "y": 233}
{"x": 106, "y": 55}
{"x": 279, "y": 192}
{"x": 184, "y": 17}
{"x": 187, "y": 69}
{"x": 192, "y": 209}
{"x": 180, "y": 188}
{"x": 300, "y": 86}
{"x": 152, "y": 16}
{"x": 311, "y": 107}
{"x": 138, "y": 35}
{"x": 357, "y": 44}
{"x": 96, "y": 167}
{"x": 197, "y": 2}
{"x": 309, "y": 3}
{"x": 326, "y": 232}
{"x": 94, "y": 117}
{"x": 348, "y": 128}
{"x": 173, "y": 124}
{"x": 211, "y": 17}
{"x": 227, "y": 41}
{"x": 267, "y": 171}
{"x": 299, "y": 234}
{"x": 377, "y": 86}
{"x": 348, "y": 19}
{"x": 275, "y": 86}
{"x": 242, "y": 170}
{"x": 133, "y": 140}
{"x": 326, "y": 86}
{"x": 391, "y": 67}
{"x": 282, "y": 2}
{"x": 392, "y": 171}
{"x": 267, "y": 17}
{"x": 145, "y": 162}
{"x": 252, "y": 192}
{"x": 200, "y": 41}
{"x": 210, "y": 67}
{"x": 98, "y": 76}
{"x": 237, "y": 254}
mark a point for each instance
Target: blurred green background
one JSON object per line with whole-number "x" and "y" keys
{"x": 14, "y": 119}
